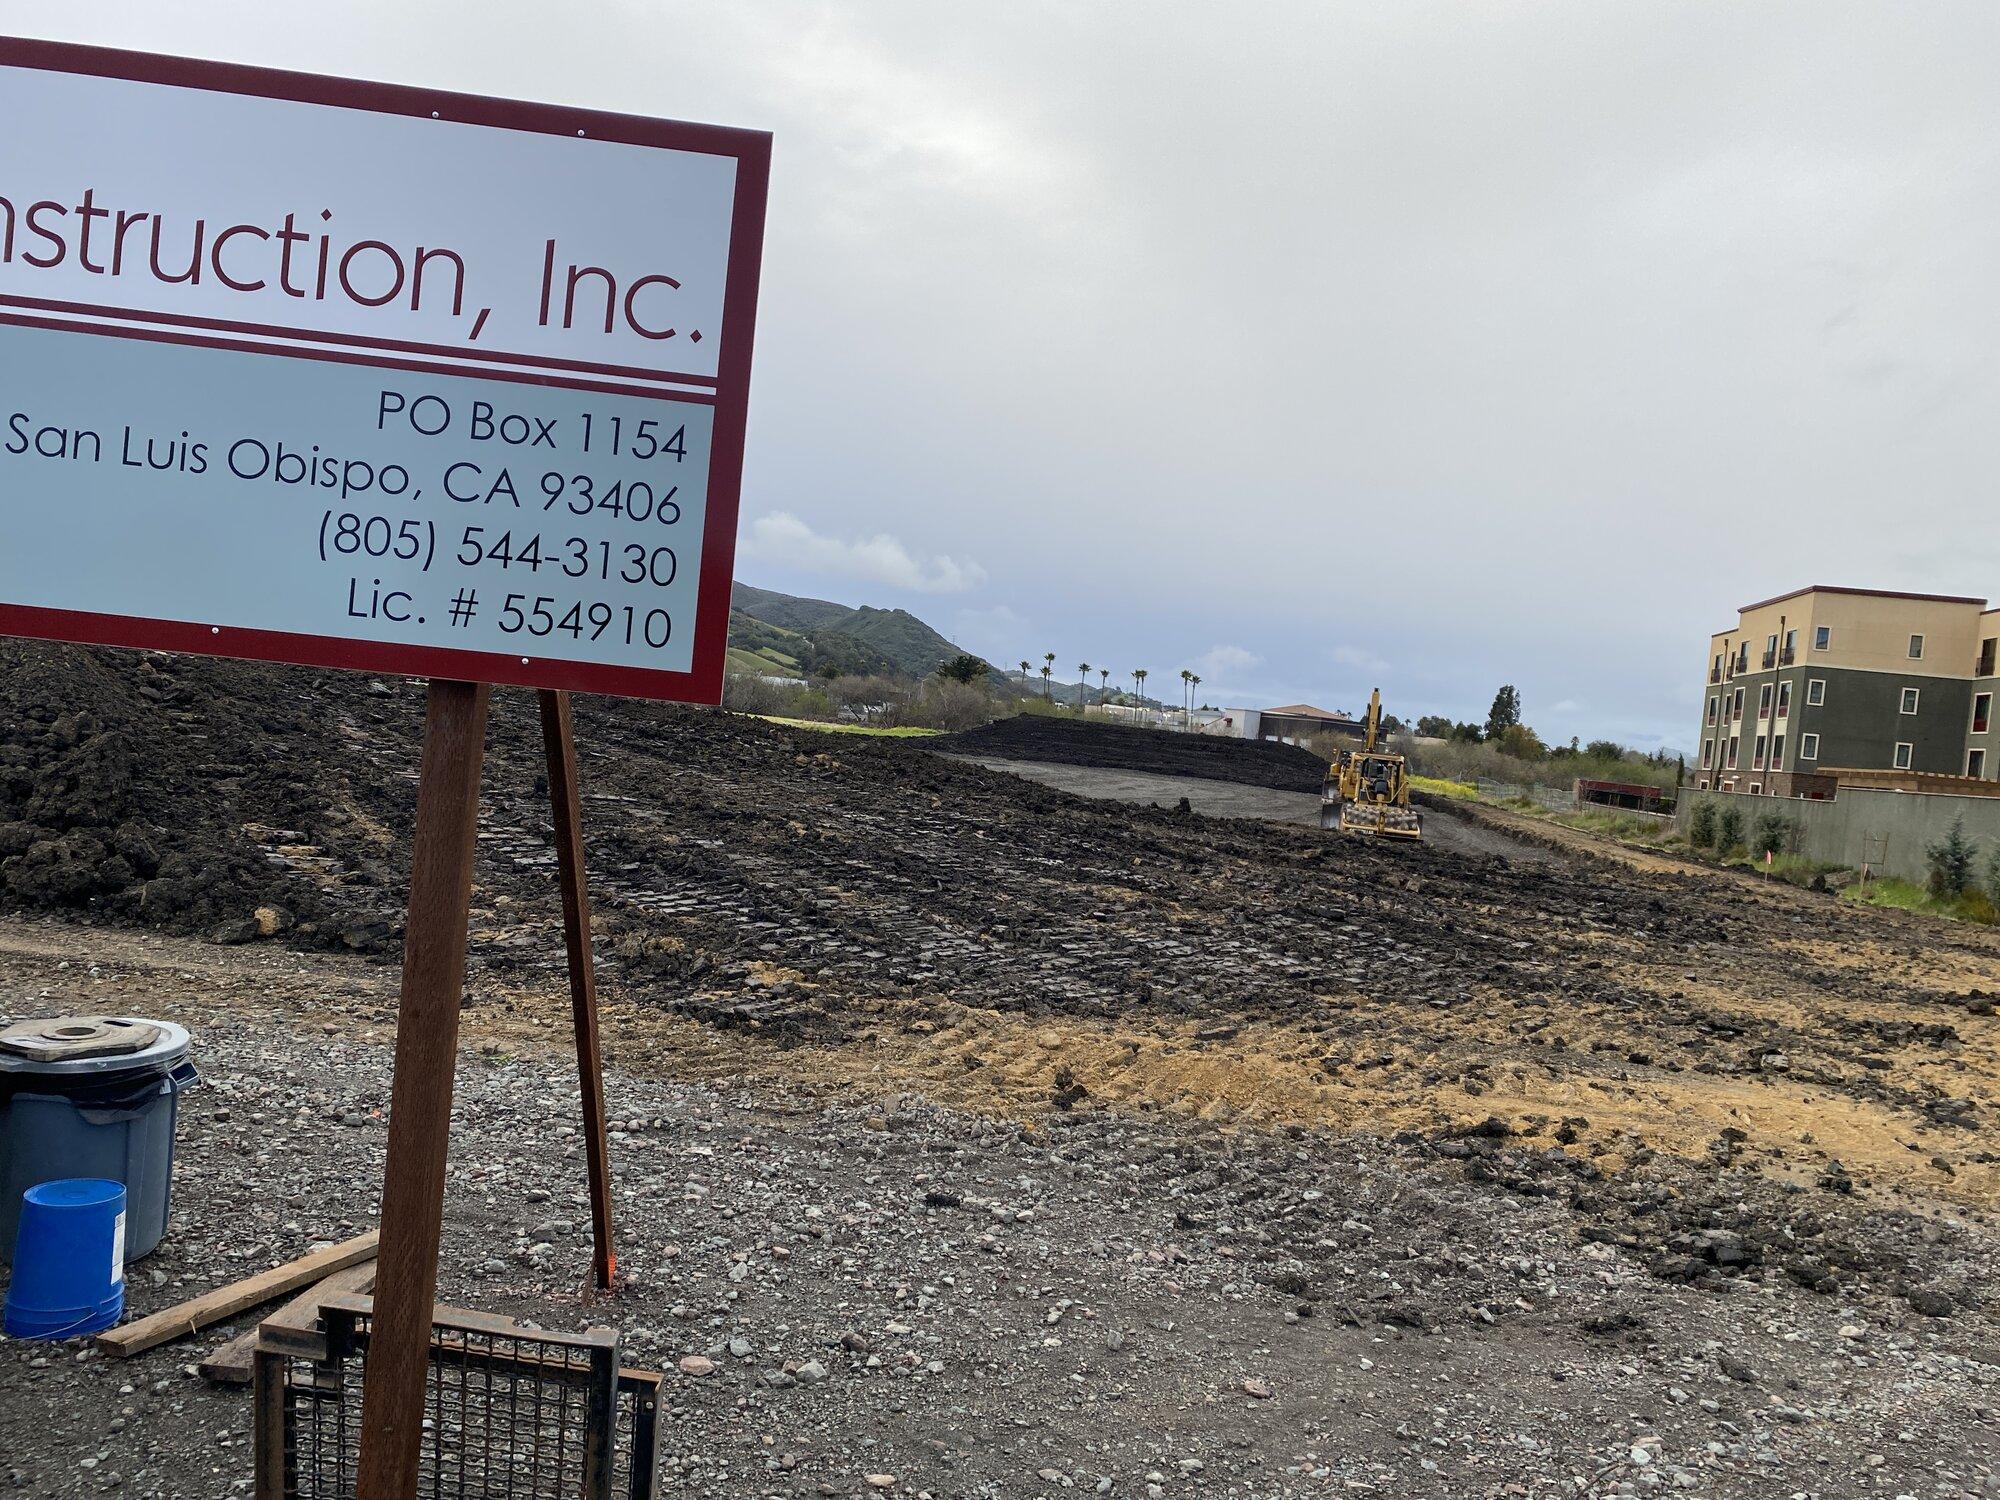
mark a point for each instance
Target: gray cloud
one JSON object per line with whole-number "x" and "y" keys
{"x": 1494, "y": 343}
{"x": 782, "y": 541}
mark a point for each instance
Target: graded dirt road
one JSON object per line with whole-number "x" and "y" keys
{"x": 1444, "y": 828}
{"x": 1612, "y": 1175}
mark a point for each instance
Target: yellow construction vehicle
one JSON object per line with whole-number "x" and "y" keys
{"x": 1368, "y": 790}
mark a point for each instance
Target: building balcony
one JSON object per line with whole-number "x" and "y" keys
{"x": 1787, "y": 656}
{"x": 1715, "y": 674}
{"x": 1770, "y": 660}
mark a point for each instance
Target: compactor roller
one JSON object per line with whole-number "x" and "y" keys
{"x": 1368, "y": 790}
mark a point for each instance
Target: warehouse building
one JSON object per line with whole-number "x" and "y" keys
{"x": 1822, "y": 681}
{"x": 1292, "y": 723}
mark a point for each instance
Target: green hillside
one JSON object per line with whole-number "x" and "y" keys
{"x": 765, "y": 649}
{"x": 787, "y": 611}
{"x": 774, "y": 650}
{"x": 854, "y": 640}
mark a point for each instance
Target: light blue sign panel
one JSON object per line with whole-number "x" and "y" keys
{"x": 272, "y": 492}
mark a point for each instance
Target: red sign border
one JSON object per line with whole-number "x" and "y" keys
{"x": 751, "y": 150}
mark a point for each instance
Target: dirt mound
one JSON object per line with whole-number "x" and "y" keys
{"x": 1122, "y": 747}
{"x": 134, "y": 787}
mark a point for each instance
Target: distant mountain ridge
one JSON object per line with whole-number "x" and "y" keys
{"x": 856, "y": 639}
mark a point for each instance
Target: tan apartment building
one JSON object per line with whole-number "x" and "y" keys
{"x": 1826, "y": 679}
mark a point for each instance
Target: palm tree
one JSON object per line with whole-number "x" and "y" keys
{"x": 1024, "y": 674}
{"x": 1082, "y": 688}
{"x": 1048, "y": 666}
{"x": 1185, "y": 675}
{"x": 1193, "y": 682}
{"x": 1139, "y": 677}
{"x": 1103, "y": 684}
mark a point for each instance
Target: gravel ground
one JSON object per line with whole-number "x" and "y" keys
{"x": 979, "y": 1307}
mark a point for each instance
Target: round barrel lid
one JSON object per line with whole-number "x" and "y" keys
{"x": 90, "y": 1044}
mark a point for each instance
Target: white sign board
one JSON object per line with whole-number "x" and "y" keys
{"x": 355, "y": 375}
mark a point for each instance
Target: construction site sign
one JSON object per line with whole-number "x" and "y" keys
{"x": 355, "y": 375}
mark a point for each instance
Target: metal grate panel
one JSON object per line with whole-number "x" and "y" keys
{"x": 513, "y": 1413}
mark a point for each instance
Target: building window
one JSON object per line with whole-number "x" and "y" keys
{"x": 1982, "y": 711}
{"x": 1791, "y": 645}
{"x": 1764, "y": 701}
{"x": 1736, "y": 704}
{"x": 1707, "y": 753}
{"x": 1711, "y": 708}
{"x": 1909, "y": 700}
{"x": 1916, "y": 648}
{"x": 1986, "y": 650}
{"x": 1815, "y": 691}
{"x": 1904, "y": 752}
{"x": 1734, "y": 741}
{"x": 1729, "y": 785}
{"x": 1702, "y": 785}
{"x": 1975, "y": 762}
{"x": 1784, "y": 699}
{"x": 1822, "y": 637}
{"x": 1777, "y": 752}
{"x": 1756, "y": 787}
{"x": 1757, "y": 754}
{"x": 1808, "y": 747}
{"x": 1743, "y": 657}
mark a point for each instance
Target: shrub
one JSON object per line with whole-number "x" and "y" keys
{"x": 881, "y": 702}
{"x": 1521, "y": 742}
{"x": 965, "y": 668}
{"x": 1469, "y": 760}
{"x": 1993, "y": 874}
{"x": 1774, "y": 834}
{"x": 748, "y": 693}
{"x": 1729, "y": 829}
{"x": 1975, "y": 906}
{"x": 1950, "y": 861}
{"x": 1701, "y": 826}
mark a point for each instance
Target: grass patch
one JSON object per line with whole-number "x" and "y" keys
{"x": 764, "y": 662}
{"x": 1627, "y": 828}
{"x": 879, "y": 731}
{"x": 1906, "y": 895}
{"x": 1438, "y": 786}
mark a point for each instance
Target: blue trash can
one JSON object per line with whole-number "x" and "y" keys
{"x": 92, "y": 1097}
{"x": 69, "y": 1261}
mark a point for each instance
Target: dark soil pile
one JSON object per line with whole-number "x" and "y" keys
{"x": 148, "y": 788}
{"x": 1122, "y": 747}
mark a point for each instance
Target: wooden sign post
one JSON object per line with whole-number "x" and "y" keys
{"x": 420, "y": 1101}
{"x": 559, "y": 742}
{"x": 394, "y": 421}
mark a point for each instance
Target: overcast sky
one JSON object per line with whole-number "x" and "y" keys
{"x": 1315, "y": 346}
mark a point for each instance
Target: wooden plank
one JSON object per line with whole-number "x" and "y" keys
{"x": 392, "y": 1414}
{"x": 467, "y": 1320}
{"x": 559, "y": 743}
{"x": 212, "y": 1307}
{"x": 267, "y": 1426}
{"x": 234, "y": 1362}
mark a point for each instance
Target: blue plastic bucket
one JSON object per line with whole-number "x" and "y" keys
{"x": 69, "y": 1260}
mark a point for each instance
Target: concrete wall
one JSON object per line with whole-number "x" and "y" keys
{"x": 1888, "y": 830}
